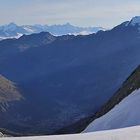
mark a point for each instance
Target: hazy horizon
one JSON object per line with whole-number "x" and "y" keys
{"x": 82, "y": 13}
{"x": 47, "y": 24}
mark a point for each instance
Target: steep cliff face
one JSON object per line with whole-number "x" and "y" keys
{"x": 8, "y": 93}
{"x": 121, "y": 110}
{"x": 131, "y": 84}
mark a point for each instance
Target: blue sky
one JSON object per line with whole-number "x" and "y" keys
{"x": 106, "y": 13}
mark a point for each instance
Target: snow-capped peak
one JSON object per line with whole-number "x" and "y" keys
{"x": 135, "y": 21}
{"x": 11, "y": 26}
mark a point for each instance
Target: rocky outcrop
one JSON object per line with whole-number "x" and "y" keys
{"x": 8, "y": 93}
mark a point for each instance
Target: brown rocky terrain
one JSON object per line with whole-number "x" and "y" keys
{"x": 8, "y": 92}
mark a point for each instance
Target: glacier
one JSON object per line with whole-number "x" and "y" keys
{"x": 125, "y": 114}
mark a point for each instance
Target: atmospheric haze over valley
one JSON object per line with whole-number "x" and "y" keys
{"x": 68, "y": 77}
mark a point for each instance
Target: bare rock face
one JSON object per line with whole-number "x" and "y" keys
{"x": 2, "y": 135}
{"x": 8, "y": 93}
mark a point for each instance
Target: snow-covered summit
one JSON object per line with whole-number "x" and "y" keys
{"x": 11, "y": 26}
{"x": 134, "y": 21}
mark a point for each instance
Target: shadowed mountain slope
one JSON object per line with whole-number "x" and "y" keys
{"x": 65, "y": 79}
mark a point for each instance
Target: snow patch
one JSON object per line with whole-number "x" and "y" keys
{"x": 132, "y": 133}
{"x": 125, "y": 114}
{"x": 81, "y": 33}
{"x": 12, "y": 37}
{"x": 28, "y": 29}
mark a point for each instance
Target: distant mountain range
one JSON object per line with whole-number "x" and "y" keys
{"x": 65, "y": 79}
{"x": 14, "y": 31}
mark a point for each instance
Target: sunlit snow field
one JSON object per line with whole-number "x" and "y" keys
{"x": 131, "y": 133}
